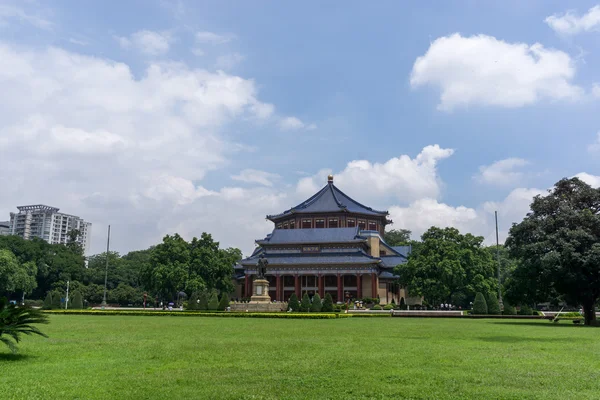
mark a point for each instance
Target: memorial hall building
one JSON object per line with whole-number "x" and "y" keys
{"x": 329, "y": 243}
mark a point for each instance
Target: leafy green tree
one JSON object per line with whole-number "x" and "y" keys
{"x": 193, "y": 302}
{"x": 48, "y": 301}
{"x": 203, "y": 304}
{"x": 448, "y": 265}
{"x": 316, "y": 303}
{"x": 293, "y": 303}
{"x": 213, "y": 303}
{"x": 305, "y": 303}
{"x": 557, "y": 246}
{"x": 493, "y": 307}
{"x": 124, "y": 295}
{"x": 224, "y": 302}
{"x": 72, "y": 241}
{"x": 397, "y": 237}
{"x": 16, "y": 321}
{"x": 56, "y": 303}
{"x": 77, "y": 303}
{"x": 479, "y": 305}
{"x": 509, "y": 310}
{"x": 327, "y": 303}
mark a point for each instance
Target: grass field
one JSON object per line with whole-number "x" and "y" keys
{"x": 130, "y": 357}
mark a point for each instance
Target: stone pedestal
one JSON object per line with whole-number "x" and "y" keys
{"x": 260, "y": 291}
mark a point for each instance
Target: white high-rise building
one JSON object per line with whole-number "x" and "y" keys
{"x": 4, "y": 228}
{"x": 47, "y": 223}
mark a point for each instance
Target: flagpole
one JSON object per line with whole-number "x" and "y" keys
{"x": 106, "y": 269}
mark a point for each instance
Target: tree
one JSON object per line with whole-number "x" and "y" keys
{"x": 327, "y": 303}
{"x": 402, "y": 304}
{"x": 316, "y": 303}
{"x": 77, "y": 302}
{"x": 193, "y": 302}
{"x": 557, "y": 246}
{"x": 48, "y": 301}
{"x": 397, "y": 237}
{"x": 203, "y": 303}
{"x": 224, "y": 302}
{"x": 56, "y": 300}
{"x": 293, "y": 303}
{"x": 213, "y": 303}
{"x": 448, "y": 265}
{"x": 509, "y": 310}
{"x": 305, "y": 303}
{"x": 493, "y": 307}
{"x": 479, "y": 305}
{"x": 15, "y": 321}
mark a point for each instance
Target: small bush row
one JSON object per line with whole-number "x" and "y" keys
{"x": 204, "y": 314}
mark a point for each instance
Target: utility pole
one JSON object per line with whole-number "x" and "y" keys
{"x": 67, "y": 298}
{"x": 106, "y": 270}
{"x": 498, "y": 261}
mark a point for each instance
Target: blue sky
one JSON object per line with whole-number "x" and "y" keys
{"x": 163, "y": 116}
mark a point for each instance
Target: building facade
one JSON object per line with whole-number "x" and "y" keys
{"x": 48, "y": 223}
{"x": 4, "y": 228}
{"x": 329, "y": 243}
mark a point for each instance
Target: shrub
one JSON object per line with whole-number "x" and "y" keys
{"x": 393, "y": 302}
{"x": 56, "y": 300}
{"x": 388, "y": 307}
{"x": 15, "y": 321}
{"x": 192, "y": 303}
{"x": 305, "y": 304}
{"x": 48, "y": 302}
{"x": 213, "y": 303}
{"x": 77, "y": 302}
{"x": 402, "y": 303}
{"x": 509, "y": 310}
{"x": 203, "y": 304}
{"x": 224, "y": 302}
{"x": 376, "y": 307}
{"x": 479, "y": 305}
{"x": 316, "y": 305}
{"x": 526, "y": 310}
{"x": 493, "y": 305}
{"x": 293, "y": 303}
{"x": 327, "y": 303}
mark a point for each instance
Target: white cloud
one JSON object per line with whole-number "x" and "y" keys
{"x": 198, "y": 52}
{"x": 482, "y": 70}
{"x": 402, "y": 178}
{"x": 570, "y": 23}
{"x": 147, "y": 42}
{"x": 9, "y": 12}
{"x": 229, "y": 61}
{"x": 213, "y": 38}
{"x": 596, "y": 89}
{"x": 595, "y": 147}
{"x": 256, "y": 176}
{"x": 592, "y": 180}
{"x": 293, "y": 123}
{"x": 502, "y": 172}
{"x": 83, "y": 134}
{"x": 78, "y": 42}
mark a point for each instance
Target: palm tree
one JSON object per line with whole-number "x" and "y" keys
{"x": 15, "y": 321}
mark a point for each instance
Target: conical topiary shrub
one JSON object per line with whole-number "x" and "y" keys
{"x": 479, "y": 305}
{"x": 305, "y": 303}
{"x": 402, "y": 304}
{"x": 213, "y": 303}
{"x": 224, "y": 302}
{"x": 493, "y": 306}
{"x": 293, "y": 303}
{"x": 48, "y": 302}
{"x": 203, "y": 303}
{"x": 192, "y": 303}
{"x": 327, "y": 303}
{"x": 316, "y": 303}
{"x": 77, "y": 302}
{"x": 56, "y": 304}
{"x": 509, "y": 310}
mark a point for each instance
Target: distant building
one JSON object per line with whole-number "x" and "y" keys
{"x": 47, "y": 223}
{"x": 4, "y": 228}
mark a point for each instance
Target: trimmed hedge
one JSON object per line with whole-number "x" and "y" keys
{"x": 479, "y": 305}
{"x": 203, "y": 314}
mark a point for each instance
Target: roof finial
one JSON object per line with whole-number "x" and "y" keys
{"x": 330, "y": 178}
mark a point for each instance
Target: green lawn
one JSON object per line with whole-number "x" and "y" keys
{"x": 130, "y": 357}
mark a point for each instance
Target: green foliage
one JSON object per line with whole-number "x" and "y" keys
{"x": 216, "y": 314}
{"x": 203, "y": 303}
{"x": 77, "y": 302}
{"x": 397, "y": 237}
{"x": 479, "y": 305}
{"x": 446, "y": 263}
{"x": 293, "y": 303}
{"x": 316, "y": 305}
{"x": 526, "y": 310}
{"x": 15, "y": 275}
{"x": 305, "y": 304}
{"x": 402, "y": 303}
{"x": 509, "y": 310}
{"x": 48, "y": 301}
{"x": 16, "y": 321}
{"x": 213, "y": 303}
{"x": 376, "y": 307}
{"x": 493, "y": 307}
{"x": 557, "y": 246}
{"x": 192, "y": 303}
{"x": 389, "y": 307}
{"x": 56, "y": 296}
{"x": 327, "y": 303}
{"x": 224, "y": 302}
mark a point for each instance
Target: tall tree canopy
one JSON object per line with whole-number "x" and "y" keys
{"x": 448, "y": 267}
{"x": 557, "y": 246}
{"x": 397, "y": 237}
{"x": 16, "y": 276}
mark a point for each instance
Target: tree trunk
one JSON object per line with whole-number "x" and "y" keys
{"x": 589, "y": 313}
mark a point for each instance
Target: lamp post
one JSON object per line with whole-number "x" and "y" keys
{"x": 67, "y": 298}
{"x": 103, "y": 304}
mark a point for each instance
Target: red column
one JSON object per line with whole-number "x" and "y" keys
{"x": 246, "y": 285}
{"x": 340, "y": 293}
{"x": 359, "y": 286}
{"x": 250, "y": 286}
{"x": 297, "y": 285}
{"x": 374, "y": 285}
{"x": 321, "y": 287}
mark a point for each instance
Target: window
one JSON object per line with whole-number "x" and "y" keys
{"x": 292, "y": 224}
{"x": 350, "y": 223}
{"x": 285, "y": 226}
{"x": 319, "y": 223}
{"x": 333, "y": 223}
{"x": 306, "y": 224}
{"x": 372, "y": 226}
{"x": 361, "y": 224}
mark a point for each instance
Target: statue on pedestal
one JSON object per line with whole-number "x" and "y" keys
{"x": 261, "y": 285}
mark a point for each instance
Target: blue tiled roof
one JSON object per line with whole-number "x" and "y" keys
{"x": 404, "y": 250}
{"x": 357, "y": 257}
{"x": 314, "y": 235}
{"x": 386, "y": 274}
{"x": 329, "y": 199}
{"x": 392, "y": 261}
